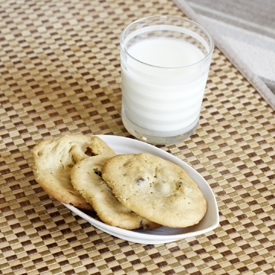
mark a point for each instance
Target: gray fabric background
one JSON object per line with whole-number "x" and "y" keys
{"x": 254, "y": 15}
{"x": 245, "y": 31}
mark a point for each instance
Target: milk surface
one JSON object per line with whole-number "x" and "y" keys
{"x": 165, "y": 52}
{"x": 163, "y": 83}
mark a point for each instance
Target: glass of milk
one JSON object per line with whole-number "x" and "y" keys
{"x": 165, "y": 62}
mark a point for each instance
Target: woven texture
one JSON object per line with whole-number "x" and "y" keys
{"x": 60, "y": 73}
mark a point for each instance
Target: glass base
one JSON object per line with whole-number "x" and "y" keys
{"x": 152, "y": 138}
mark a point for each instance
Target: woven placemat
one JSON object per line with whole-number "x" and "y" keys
{"x": 60, "y": 73}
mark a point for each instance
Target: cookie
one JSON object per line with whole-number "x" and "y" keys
{"x": 86, "y": 178}
{"x": 96, "y": 147}
{"x": 156, "y": 189}
{"x": 53, "y": 160}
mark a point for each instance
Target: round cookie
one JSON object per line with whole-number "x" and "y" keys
{"x": 53, "y": 160}
{"x": 86, "y": 178}
{"x": 156, "y": 189}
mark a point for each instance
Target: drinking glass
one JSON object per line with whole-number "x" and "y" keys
{"x": 165, "y": 63}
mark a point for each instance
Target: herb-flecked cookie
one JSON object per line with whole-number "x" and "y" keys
{"x": 156, "y": 189}
{"x": 86, "y": 178}
{"x": 54, "y": 159}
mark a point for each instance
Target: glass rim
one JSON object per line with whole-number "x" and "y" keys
{"x": 211, "y": 41}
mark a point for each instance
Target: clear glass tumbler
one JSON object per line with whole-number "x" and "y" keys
{"x": 165, "y": 62}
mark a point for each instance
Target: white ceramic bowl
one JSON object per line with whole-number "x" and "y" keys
{"x": 163, "y": 234}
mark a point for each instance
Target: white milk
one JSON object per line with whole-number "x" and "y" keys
{"x": 162, "y": 88}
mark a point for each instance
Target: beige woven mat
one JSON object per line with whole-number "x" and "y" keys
{"x": 60, "y": 73}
